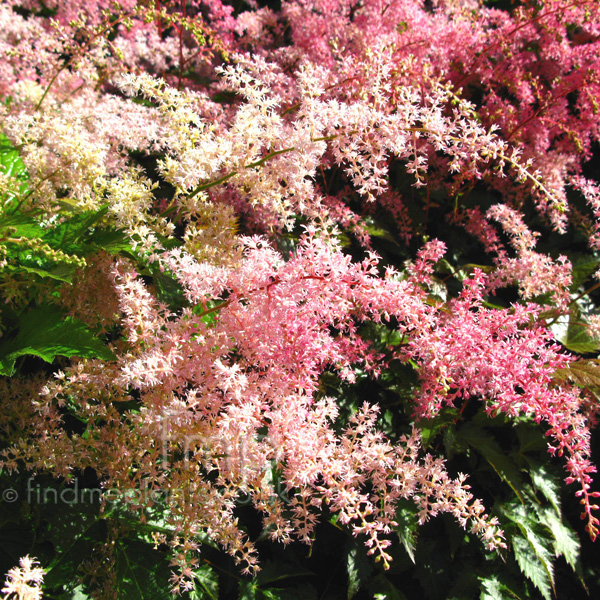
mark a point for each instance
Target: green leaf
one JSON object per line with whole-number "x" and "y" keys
{"x": 142, "y": 572}
{"x": 11, "y": 163}
{"x": 207, "y": 583}
{"x": 210, "y": 313}
{"x": 534, "y": 561}
{"x": 383, "y": 589}
{"x": 303, "y": 591}
{"x": 531, "y": 438}
{"x": 247, "y": 590}
{"x": 434, "y": 567}
{"x": 69, "y": 234}
{"x": 358, "y": 567}
{"x": 74, "y": 538}
{"x": 272, "y": 571}
{"x": 77, "y": 235}
{"x": 431, "y": 427}
{"x": 59, "y": 272}
{"x": 566, "y": 542}
{"x": 544, "y": 482}
{"x": 24, "y": 226}
{"x": 407, "y": 528}
{"x": 79, "y": 594}
{"x": 578, "y": 339}
{"x": 583, "y": 266}
{"x": 583, "y": 373}
{"x": 380, "y": 334}
{"x": 532, "y": 549}
{"x": 464, "y": 581}
{"x": 169, "y": 291}
{"x": 47, "y": 333}
{"x": 490, "y": 589}
{"x": 485, "y": 444}
{"x": 499, "y": 587}
{"x": 375, "y": 230}
{"x": 112, "y": 241}
{"x": 274, "y": 594}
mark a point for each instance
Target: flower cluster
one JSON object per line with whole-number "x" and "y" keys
{"x": 232, "y": 175}
{"x": 24, "y": 582}
{"x": 240, "y": 399}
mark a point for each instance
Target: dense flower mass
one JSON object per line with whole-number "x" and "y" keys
{"x": 206, "y": 212}
{"x": 24, "y": 581}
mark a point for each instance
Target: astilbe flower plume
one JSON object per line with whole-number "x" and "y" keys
{"x": 370, "y": 60}
{"x": 533, "y": 71}
{"x": 24, "y": 582}
{"x": 241, "y": 401}
{"x": 506, "y": 358}
{"x": 183, "y": 122}
{"x": 534, "y": 273}
{"x": 266, "y": 149}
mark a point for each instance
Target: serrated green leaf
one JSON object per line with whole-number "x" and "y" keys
{"x": 247, "y": 590}
{"x": 76, "y": 235}
{"x": 532, "y": 549}
{"x": 579, "y": 340}
{"x": 407, "y": 528}
{"x": 23, "y": 226}
{"x": 112, "y": 241}
{"x": 501, "y": 586}
{"x": 207, "y": 583}
{"x": 169, "y": 291}
{"x": 142, "y": 572}
{"x": 69, "y": 234}
{"x": 358, "y": 567}
{"x": 583, "y": 267}
{"x": 273, "y": 594}
{"x": 566, "y": 542}
{"x": 383, "y": 589}
{"x": 544, "y": 482}
{"x": 47, "y": 333}
{"x": 10, "y": 160}
{"x": 431, "y": 427}
{"x": 484, "y": 443}
{"x": 59, "y": 272}
{"x": 534, "y": 562}
{"x": 490, "y": 588}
